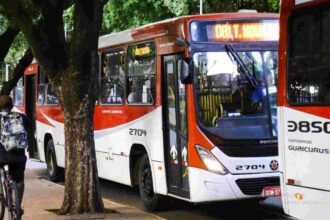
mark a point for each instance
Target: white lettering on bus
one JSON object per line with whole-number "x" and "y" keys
{"x": 170, "y": 44}
{"x": 112, "y": 111}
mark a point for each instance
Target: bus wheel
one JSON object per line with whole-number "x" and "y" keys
{"x": 150, "y": 199}
{"x": 54, "y": 172}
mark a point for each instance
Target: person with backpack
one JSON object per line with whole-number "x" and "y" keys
{"x": 13, "y": 142}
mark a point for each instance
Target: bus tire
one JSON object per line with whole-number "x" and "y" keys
{"x": 54, "y": 172}
{"x": 150, "y": 199}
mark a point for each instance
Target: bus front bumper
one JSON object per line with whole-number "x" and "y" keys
{"x": 206, "y": 186}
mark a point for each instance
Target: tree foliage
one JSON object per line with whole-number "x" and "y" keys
{"x": 16, "y": 51}
{"x": 182, "y": 7}
{"x": 212, "y": 6}
{"x": 13, "y": 45}
{"x": 124, "y": 14}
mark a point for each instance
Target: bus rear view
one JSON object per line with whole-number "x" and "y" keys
{"x": 304, "y": 113}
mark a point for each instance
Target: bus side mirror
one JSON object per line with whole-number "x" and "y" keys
{"x": 187, "y": 71}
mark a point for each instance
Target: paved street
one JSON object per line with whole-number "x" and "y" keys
{"x": 43, "y": 198}
{"x": 177, "y": 209}
{"x": 271, "y": 209}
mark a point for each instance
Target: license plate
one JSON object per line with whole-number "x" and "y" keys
{"x": 271, "y": 191}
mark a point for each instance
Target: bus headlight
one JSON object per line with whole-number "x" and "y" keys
{"x": 211, "y": 163}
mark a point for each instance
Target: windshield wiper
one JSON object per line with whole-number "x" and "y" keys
{"x": 246, "y": 72}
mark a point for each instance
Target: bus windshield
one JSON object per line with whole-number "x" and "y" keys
{"x": 236, "y": 96}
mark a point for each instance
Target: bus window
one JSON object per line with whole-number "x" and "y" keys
{"x": 141, "y": 74}
{"x": 112, "y": 78}
{"x": 19, "y": 93}
{"x": 46, "y": 93}
{"x": 41, "y": 94}
{"x": 182, "y": 103}
{"x": 171, "y": 93}
{"x": 308, "y": 57}
{"x": 51, "y": 95}
{"x": 42, "y": 80}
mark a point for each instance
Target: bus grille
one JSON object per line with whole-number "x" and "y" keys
{"x": 250, "y": 151}
{"x": 253, "y": 187}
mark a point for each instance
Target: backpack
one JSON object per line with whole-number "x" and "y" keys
{"x": 13, "y": 134}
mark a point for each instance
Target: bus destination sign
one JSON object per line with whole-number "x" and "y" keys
{"x": 245, "y": 32}
{"x": 142, "y": 51}
{"x": 232, "y": 31}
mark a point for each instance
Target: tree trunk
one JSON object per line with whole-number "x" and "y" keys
{"x": 81, "y": 181}
{"x": 78, "y": 98}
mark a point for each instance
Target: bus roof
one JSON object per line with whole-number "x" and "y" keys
{"x": 172, "y": 26}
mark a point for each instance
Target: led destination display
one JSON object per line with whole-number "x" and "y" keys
{"x": 229, "y": 31}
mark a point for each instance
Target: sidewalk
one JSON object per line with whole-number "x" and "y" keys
{"x": 41, "y": 195}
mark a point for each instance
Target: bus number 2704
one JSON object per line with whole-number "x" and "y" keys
{"x": 137, "y": 132}
{"x": 250, "y": 167}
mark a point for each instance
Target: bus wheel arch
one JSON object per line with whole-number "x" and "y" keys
{"x": 135, "y": 156}
{"x": 48, "y": 137}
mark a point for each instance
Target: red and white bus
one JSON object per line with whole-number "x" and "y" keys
{"x": 187, "y": 109}
{"x": 303, "y": 107}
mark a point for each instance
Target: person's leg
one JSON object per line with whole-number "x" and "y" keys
{"x": 16, "y": 171}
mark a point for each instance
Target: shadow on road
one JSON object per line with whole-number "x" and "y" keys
{"x": 175, "y": 209}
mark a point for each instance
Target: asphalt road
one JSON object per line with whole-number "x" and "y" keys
{"x": 270, "y": 209}
{"x": 174, "y": 209}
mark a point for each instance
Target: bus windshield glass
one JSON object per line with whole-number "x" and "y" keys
{"x": 236, "y": 95}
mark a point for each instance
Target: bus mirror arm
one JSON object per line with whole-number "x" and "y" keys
{"x": 187, "y": 70}
{"x": 181, "y": 42}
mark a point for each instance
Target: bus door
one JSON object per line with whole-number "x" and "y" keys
{"x": 30, "y": 110}
{"x": 175, "y": 127}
